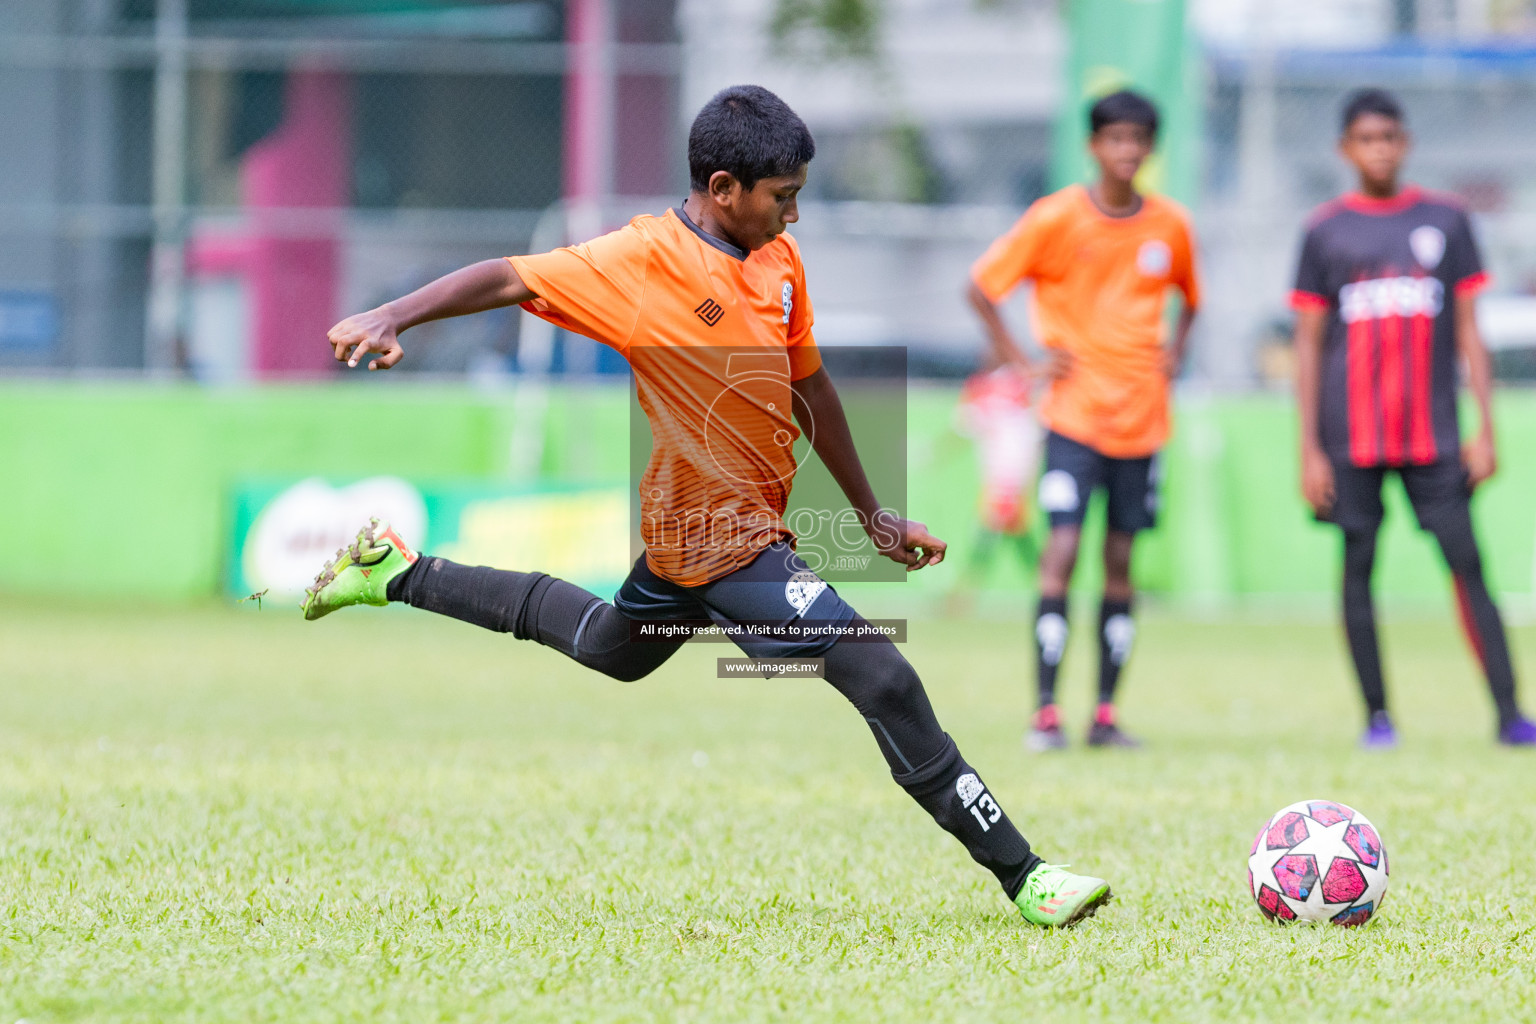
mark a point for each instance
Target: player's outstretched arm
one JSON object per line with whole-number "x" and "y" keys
{"x": 1479, "y": 455}
{"x": 1057, "y": 363}
{"x": 1316, "y": 470}
{"x": 1001, "y": 338}
{"x": 489, "y": 284}
{"x": 820, "y": 410}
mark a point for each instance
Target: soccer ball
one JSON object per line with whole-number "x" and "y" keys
{"x": 1318, "y": 860}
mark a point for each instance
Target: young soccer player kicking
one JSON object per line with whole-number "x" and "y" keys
{"x": 695, "y": 299}
{"x": 1385, "y": 303}
{"x": 1101, "y": 259}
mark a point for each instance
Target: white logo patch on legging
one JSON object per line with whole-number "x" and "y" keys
{"x": 1051, "y": 632}
{"x": 802, "y": 590}
{"x": 1120, "y": 634}
{"x": 1058, "y": 491}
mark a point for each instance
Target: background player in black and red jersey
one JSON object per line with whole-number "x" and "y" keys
{"x": 1385, "y": 303}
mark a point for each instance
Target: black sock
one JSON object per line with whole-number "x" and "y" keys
{"x": 1117, "y": 632}
{"x": 533, "y": 606}
{"x": 1050, "y": 645}
{"x": 951, "y": 791}
{"x": 887, "y": 692}
{"x": 1360, "y": 619}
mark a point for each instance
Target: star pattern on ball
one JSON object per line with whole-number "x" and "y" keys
{"x": 1320, "y": 861}
{"x": 1323, "y": 842}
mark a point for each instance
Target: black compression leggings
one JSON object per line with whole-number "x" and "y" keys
{"x": 873, "y": 676}
{"x": 1479, "y": 615}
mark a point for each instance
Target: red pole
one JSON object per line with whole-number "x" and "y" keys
{"x": 588, "y": 115}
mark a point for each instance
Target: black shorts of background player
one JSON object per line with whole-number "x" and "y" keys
{"x": 1385, "y": 303}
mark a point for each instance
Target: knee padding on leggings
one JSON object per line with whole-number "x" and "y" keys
{"x": 604, "y": 641}
{"x": 874, "y": 676}
{"x": 886, "y": 690}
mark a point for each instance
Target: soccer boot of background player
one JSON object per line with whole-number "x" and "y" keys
{"x": 1105, "y": 733}
{"x": 1055, "y": 898}
{"x": 1519, "y": 733}
{"x": 360, "y": 573}
{"x": 1045, "y": 732}
{"x": 1379, "y": 733}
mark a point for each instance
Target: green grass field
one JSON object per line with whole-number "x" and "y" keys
{"x": 231, "y": 815}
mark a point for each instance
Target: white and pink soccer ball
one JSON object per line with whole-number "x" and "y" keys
{"x": 1318, "y": 860}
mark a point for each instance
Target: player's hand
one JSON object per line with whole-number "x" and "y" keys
{"x": 1317, "y": 480}
{"x": 1480, "y": 458}
{"x": 907, "y": 541}
{"x": 373, "y": 331}
{"x": 1173, "y": 364}
{"x": 1057, "y": 365}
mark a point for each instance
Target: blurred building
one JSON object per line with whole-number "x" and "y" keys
{"x": 927, "y": 148}
{"x": 200, "y": 186}
{"x": 295, "y": 158}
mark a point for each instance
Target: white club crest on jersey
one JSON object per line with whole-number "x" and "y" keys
{"x": 1428, "y": 245}
{"x": 1154, "y": 258}
{"x": 802, "y": 590}
{"x": 787, "y": 297}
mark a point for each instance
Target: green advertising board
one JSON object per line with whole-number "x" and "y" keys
{"x": 285, "y": 530}
{"x": 122, "y": 492}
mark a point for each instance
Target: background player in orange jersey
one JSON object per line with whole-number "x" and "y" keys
{"x": 1101, "y": 258}
{"x": 690, "y": 298}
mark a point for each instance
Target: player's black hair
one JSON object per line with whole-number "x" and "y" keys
{"x": 1369, "y": 101}
{"x": 749, "y": 133}
{"x": 1123, "y": 107}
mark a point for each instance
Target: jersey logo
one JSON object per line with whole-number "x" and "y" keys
{"x": 709, "y": 311}
{"x": 1391, "y": 296}
{"x": 787, "y": 297}
{"x": 1154, "y": 258}
{"x": 1428, "y": 245}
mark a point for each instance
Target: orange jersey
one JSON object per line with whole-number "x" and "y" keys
{"x": 714, "y": 335}
{"x": 1100, "y": 285}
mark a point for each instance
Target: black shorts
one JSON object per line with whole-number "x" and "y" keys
{"x": 1073, "y": 471}
{"x": 1438, "y": 492}
{"x": 776, "y": 589}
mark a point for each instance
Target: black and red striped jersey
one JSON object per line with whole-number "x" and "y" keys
{"x": 1386, "y": 271}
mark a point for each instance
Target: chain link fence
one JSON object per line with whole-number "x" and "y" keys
{"x": 200, "y": 187}
{"x": 192, "y": 185}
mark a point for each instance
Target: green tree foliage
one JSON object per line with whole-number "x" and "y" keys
{"x": 837, "y": 29}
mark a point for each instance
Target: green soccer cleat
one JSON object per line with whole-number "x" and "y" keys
{"x": 1055, "y": 898}
{"x": 360, "y": 573}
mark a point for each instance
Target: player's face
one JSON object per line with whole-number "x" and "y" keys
{"x": 1376, "y": 145}
{"x": 1120, "y": 149}
{"x": 756, "y": 216}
